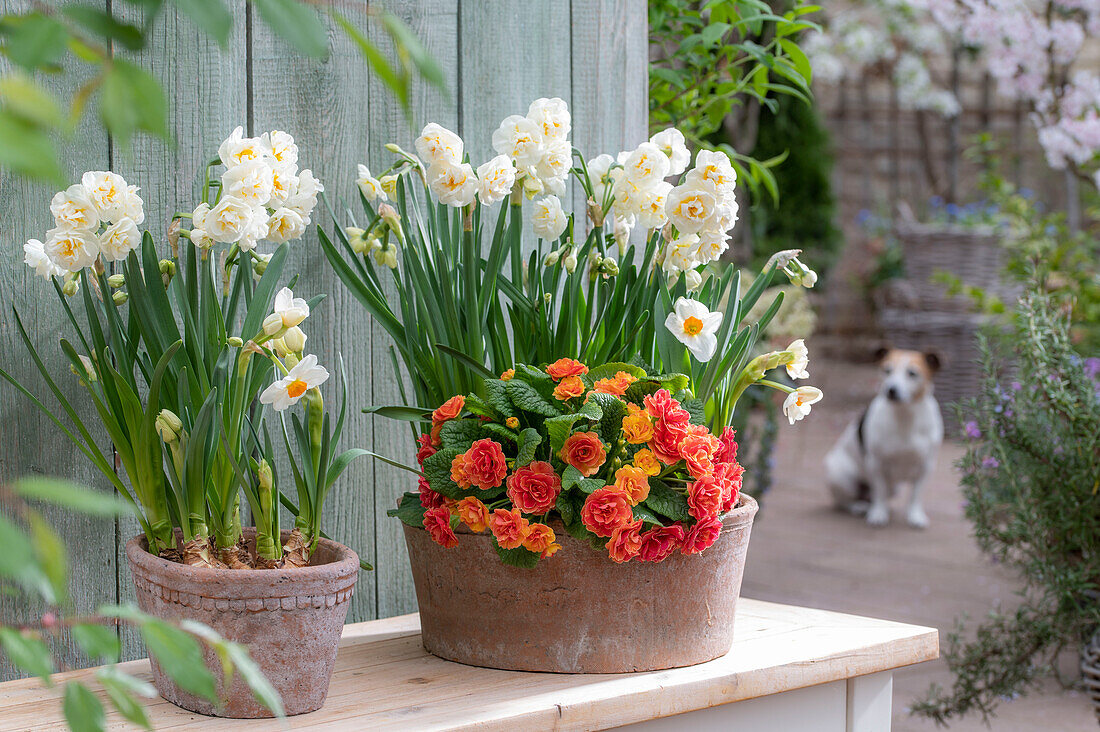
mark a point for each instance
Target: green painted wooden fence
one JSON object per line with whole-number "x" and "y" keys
{"x": 497, "y": 56}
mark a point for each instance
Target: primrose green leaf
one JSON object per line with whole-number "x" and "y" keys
{"x": 211, "y": 16}
{"x": 409, "y": 510}
{"x": 518, "y": 557}
{"x": 666, "y": 501}
{"x": 528, "y": 444}
{"x": 180, "y": 656}
{"x": 33, "y": 40}
{"x": 28, "y": 654}
{"x": 297, "y": 23}
{"x": 99, "y": 642}
{"x": 121, "y": 690}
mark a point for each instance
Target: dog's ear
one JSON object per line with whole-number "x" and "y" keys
{"x": 933, "y": 360}
{"x": 880, "y": 353}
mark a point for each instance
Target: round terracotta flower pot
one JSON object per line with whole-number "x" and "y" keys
{"x": 578, "y": 611}
{"x": 290, "y": 620}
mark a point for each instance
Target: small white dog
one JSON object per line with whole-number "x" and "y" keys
{"x": 894, "y": 441}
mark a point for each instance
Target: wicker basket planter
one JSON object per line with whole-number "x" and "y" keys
{"x": 290, "y": 620}
{"x": 974, "y": 255}
{"x": 579, "y": 612}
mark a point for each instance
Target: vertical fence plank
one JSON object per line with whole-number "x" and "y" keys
{"x": 610, "y": 81}
{"x": 29, "y": 442}
{"x": 435, "y": 22}
{"x": 206, "y": 88}
{"x": 324, "y": 104}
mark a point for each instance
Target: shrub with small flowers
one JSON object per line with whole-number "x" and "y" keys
{"x": 175, "y": 352}
{"x": 619, "y": 458}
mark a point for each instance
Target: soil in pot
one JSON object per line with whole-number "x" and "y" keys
{"x": 578, "y": 611}
{"x": 290, "y": 619}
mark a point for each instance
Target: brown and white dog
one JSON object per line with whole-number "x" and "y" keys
{"x": 894, "y": 442}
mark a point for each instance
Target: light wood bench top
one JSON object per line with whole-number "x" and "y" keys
{"x": 384, "y": 679}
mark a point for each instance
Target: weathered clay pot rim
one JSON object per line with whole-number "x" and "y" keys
{"x": 344, "y": 563}
{"x": 742, "y": 513}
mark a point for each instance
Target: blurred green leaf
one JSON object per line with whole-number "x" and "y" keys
{"x": 27, "y": 654}
{"x": 180, "y": 656}
{"x": 120, "y": 689}
{"x": 389, "y": 76}
{"x": 99, "y": 642}
{"x": 73, "y": 497}
{"x": 296, "y": 23}
{"x": 33, "y": 40}
{"x": 27, "y": 150}
{"x": 104, "y": 24}
{"x": 405, "y": 40}
{"x": 18, "y": 562}
{"x": 83, "y": 710}
{"x": 131, "y": 99}
{"x": 50, "y": 552}
{"x": 211, "y": 16}
{"x": 261, "y": 688}
{"x": 23, "y": 98}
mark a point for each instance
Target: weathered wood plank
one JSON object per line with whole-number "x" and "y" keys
{"x": 435, "y": 22}
{"x": 610, "y": 78}
{"x": 29, "y": 443}
{"x": 206, "y": 86}
{"x": 324, "y": 105}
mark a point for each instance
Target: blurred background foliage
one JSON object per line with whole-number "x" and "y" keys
{"x": 98, "y": 49}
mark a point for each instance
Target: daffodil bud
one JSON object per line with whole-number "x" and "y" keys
{"x": 353, "y": 232}
{"x": 548, "y": 297}
{"x": 552, "y": 258}
{"x": 264, "y": 475}
{"x": 259, "y": 266}
{"x": 167, "y": 267}
{"x": 120, "y": 297}
{"x": 389, "y": 259}
{"x": 610, "y": 267}
{"x": 168, "y": 426}
{"x": 234, "y": 342}
{"x": 70, "y": 288}
{"x": 273, "y": 324}
{"x": 89, "y": 369}
{"x": 391, "y": 218}
{"x": 393, "y": 147}
{"x": 693, "y": 279}
{"x": 291, "y": 360}
{"x": 389, "y": 184}
{"x": 571, "y": 262}
{"x": 294, "y": 339}
{"x": 532, "y": 186}
{"x": 278, "y": 345}
{"x": 116, "y": 281}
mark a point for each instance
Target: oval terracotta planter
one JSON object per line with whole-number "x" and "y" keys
{"x": 578, "y": 611}
{"x": 290, "y": 620}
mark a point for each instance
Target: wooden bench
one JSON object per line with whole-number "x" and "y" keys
{"x": 791, "y": 668}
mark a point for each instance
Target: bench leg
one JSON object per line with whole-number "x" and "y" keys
{"x": 870, "y": 702}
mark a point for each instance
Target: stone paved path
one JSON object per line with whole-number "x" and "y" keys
{"x": 804, "y": 552}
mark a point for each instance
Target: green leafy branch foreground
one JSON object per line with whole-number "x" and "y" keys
{"x": 99, "y": 48}
{"x": 1030, "y": 485}
{"x": 34, "y": 566}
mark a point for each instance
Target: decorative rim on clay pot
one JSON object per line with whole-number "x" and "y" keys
{"x": 290, "y": 620}
{"x": 578, "y": 611}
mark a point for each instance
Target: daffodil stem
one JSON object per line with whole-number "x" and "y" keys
{"x": 776, "y": 385}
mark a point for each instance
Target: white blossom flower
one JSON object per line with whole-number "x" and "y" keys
{"x": 712, "y": 245}
{"x": 285, "y": 224}
{"x": 552, "y": 118}
{"x": 520, "y": 139}
{"x": 439, "y": 145}
{"x": 228, "y": 221}
{"x": 453, "y": 184}
{"x": 646, "y": 166}
{"x": 303, "y": 199}
{"x": 681, "y": 254}
{"x": 714, "y": 166}
{"x": 620, "y": 230}
{"x": 71, "y": 249}
{"x": 286, "y": 392}
{"x": 119, "y": 239}
{"x": 548, "y": 218}
{"x": 495, "y": 179}
{"x": 557, "y": 158}
{"x": 651, "y": 205}
{"x": 251, "y": 181}
{"x": 111, "y": 196}
{"x": 600, "y": 175}
{"x": 671, "y": 142}
{"x": 369, "y": 185}
{"x": 693, "y": 280}
{"x": 294, "y": 339}
{"x": 280, "y": 145}
{"x": 34, "y": 256}
{"x": 291, "y": 310}
{"x": 692, "y": 208}
{"x": 256, "y": 230}
{"x": 74, "y": 208}
{"x": 237, "y": 148}
{"x": 695, "y": 326}
{"x": 797, "y": 404}
{"x": 199, "y": 235}
{"x": 284, "y": 182}
{"x": 796, "y": 369}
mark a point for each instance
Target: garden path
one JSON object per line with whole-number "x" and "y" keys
{"x": 804, "y": 552}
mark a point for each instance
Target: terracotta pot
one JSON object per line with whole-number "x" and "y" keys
{"x": 290, "y": 620}
{"x": 578, "y": 611}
